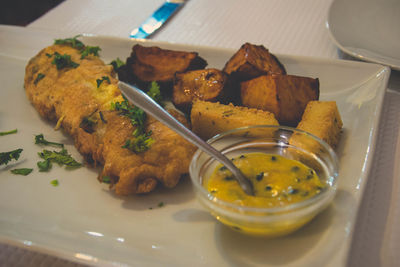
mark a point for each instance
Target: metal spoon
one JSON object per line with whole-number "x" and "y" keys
{"x": 143, "y": 101}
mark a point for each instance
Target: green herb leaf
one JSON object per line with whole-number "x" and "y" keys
{"x": 139, "y": 144}
{"x": 39, "y": 77}
{"x": 142, "y": 140}
{"x": 73, "y": 42}
{"x": 61, "y": 157}
{"x": 54, "y": 182}
{"x": 6, "y": 157}
{"x": 22, "y": 171}
{"x": 63, "y": 61}
{"x": 8, "y": 132}
{"x": 90, "y": 50}
{"x": 117, "y": 63}
{"x": 106, "y": 179}
{"x": 154, "y": 92}
{"x": 88, "y": 123}
{"x": 44, "y": 166}
{"x": 39, "y": 140}
{"x": 161, "y": 204}
{"x": 104, "y": 78}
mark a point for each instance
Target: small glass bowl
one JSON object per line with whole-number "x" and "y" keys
{"x": 285, "y": 141}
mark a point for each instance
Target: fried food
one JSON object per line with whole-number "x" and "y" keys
{"x": 208, "y": 85}
{"x": 78, "y": 95}
{"x": 251, "y": 61}
{"x": 284, "y": 95}
{"x": 209, "y": 119}
{"x": 322, "y": 119}
{"x": 147, "y": 64}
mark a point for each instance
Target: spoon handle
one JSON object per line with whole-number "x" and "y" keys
{"x": 143, "y": 101}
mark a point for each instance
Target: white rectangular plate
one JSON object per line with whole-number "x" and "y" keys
{"x": 81, "y": 220}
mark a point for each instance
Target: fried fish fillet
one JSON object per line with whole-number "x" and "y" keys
{"x": 72, "y": 94}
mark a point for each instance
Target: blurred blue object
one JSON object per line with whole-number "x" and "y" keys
{"x": 157, "y": 19}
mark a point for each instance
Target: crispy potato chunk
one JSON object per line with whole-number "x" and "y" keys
{"x": 322, "y": 119}
{"x": 149, "y": 64}
{"x": 284, "y": 95}
{"x": 209, "y": 118}
{"x": 251, "y": 61}
{"x": 208, "y": 85}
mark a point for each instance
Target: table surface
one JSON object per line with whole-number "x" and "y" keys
{"x": 296, "y": 27}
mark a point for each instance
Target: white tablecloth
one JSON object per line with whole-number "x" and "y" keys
{"x": 296, "y": 27}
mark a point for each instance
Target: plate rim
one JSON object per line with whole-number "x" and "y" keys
{"x": 372, "y": 141}
{"x": 357, "y": 55}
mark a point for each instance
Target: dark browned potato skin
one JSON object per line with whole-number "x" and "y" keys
{"x": 70, "y": 94}
{"x": 284, "y": 95}
{"x": 208, "y": 84}
{"x": 147, "y": 64}
{"x": 251, "y": 61}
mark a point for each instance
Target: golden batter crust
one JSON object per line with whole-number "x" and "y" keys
{"x": 71, "y": 94}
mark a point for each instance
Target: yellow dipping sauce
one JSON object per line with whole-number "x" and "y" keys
{"x": 277, "y": 181}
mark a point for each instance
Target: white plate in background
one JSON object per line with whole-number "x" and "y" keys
{"x": 367, "y": 29}
{"x": 81, "y": 220}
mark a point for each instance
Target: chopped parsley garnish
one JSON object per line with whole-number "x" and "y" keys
{"x": 100, "y": 81}
{"x": 154, "y": 92}
{"x": 140, "y": 144}
{"x": 90, "y": 50}
{"x": 160, "y": 205}
{"x": 61, "y": 157}
{"x": 44, "y": 165}
{"x": 63, "y": 61}
{"x": 54, "y": 182}
{"x": 9, "y": 132}
{"x": 39, "y": 77}
{"x": 142, "y": 140}
{"x": 39, "y": 140}
{"x": 88, "y": 123}
{"x": 22, "y": 171}
{"x": 73, "y": 42}
{"x": 117, "y": 63}
{"x": 106, "y": 179}
{"x": 6, "y": 157}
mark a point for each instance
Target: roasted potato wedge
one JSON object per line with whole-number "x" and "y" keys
{"x": 284, "y": 95}
{"x": 208, "y": 84}
{"x": 322, "y": 119}
{"x": 251, "y": 61}
{"x": 209, "y": 118}
{"x": 149, "y": 64}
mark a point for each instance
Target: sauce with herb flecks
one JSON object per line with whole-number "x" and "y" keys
{"x": 277, "y": 181}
